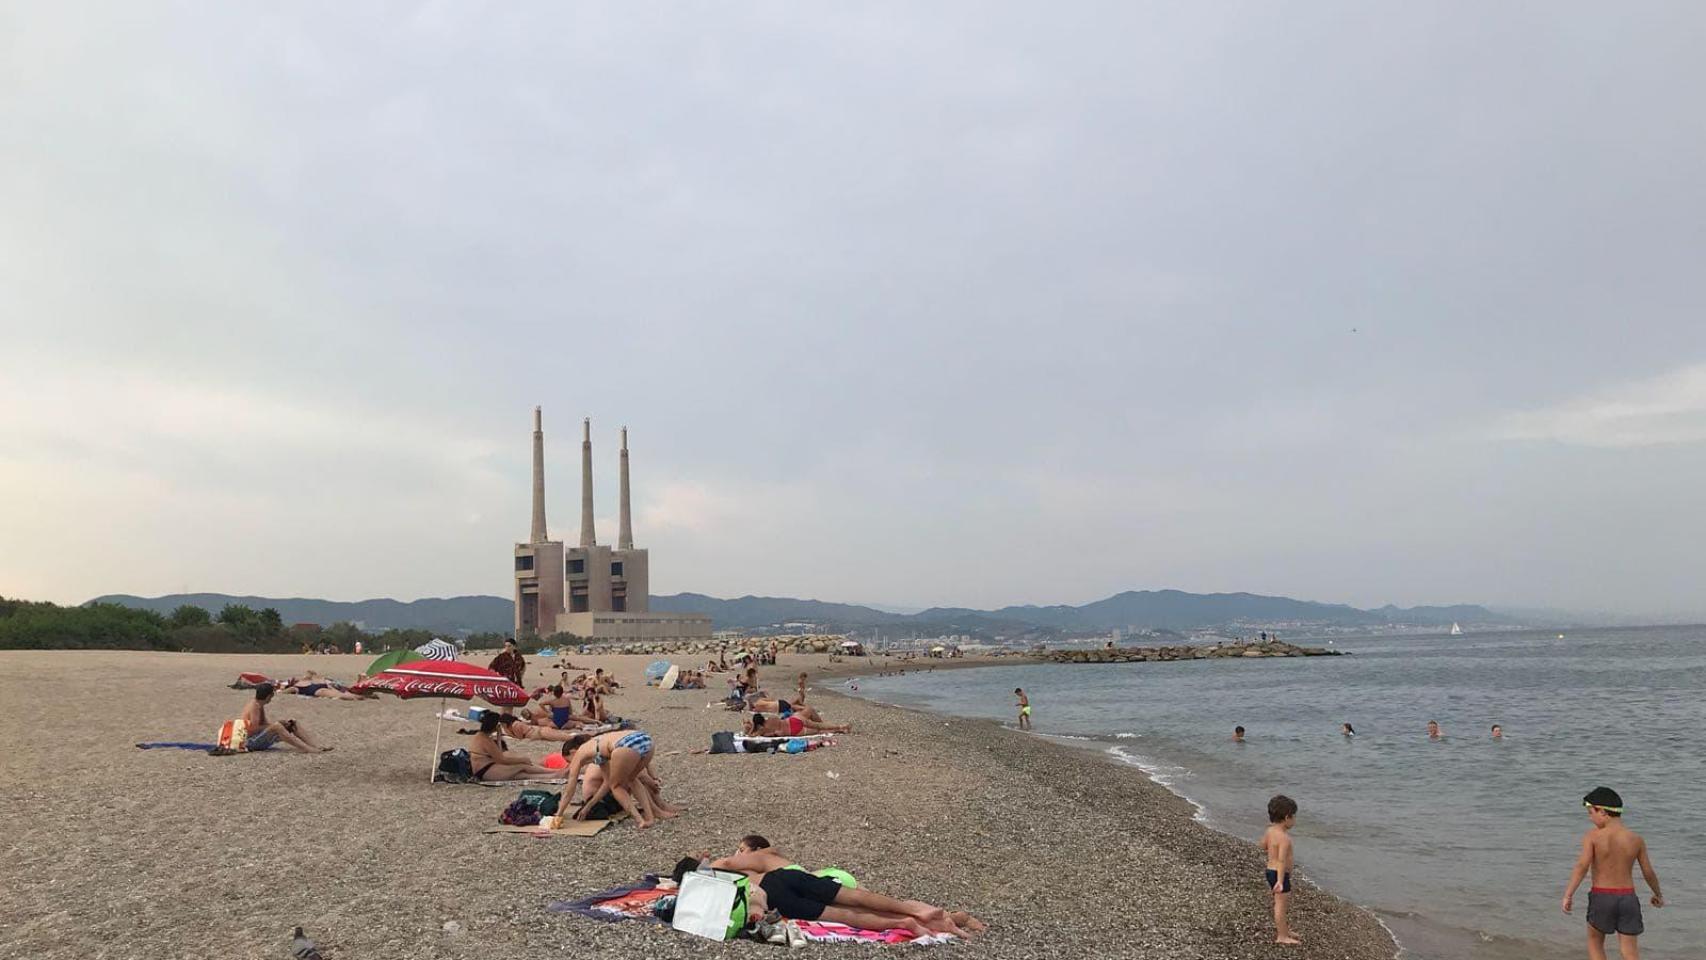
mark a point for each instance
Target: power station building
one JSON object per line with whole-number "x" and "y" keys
{"x": 594, "y": 591}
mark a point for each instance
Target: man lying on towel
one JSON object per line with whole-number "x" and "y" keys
{"x": 799, "y": 895}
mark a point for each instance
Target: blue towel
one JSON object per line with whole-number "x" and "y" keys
{"x": 178, "y": 745}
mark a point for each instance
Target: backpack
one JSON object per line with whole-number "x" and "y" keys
{"x": 723, "y": 742}
{"x": 543, "y": 801}
{"x": 454, "y": 767}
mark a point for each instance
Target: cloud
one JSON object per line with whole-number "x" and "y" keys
{"x": 1662, "y": 410}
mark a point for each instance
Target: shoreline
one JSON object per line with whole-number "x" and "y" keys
{"x": 173, "y": 853}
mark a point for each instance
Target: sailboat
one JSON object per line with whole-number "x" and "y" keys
{"x": 1456, "y": 630}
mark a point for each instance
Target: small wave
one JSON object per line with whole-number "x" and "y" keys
{"x": 1166, "y": 775}
{"x": 1127, "y": 736}
{"x": 1063, "y": 736}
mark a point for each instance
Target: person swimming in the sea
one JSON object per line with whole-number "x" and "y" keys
{"x": 1345, "y": 728}
{"x": 1238, "y": 734}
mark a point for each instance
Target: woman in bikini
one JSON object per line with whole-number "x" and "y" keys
{"x": 623, "y": 760}
{"x": 783, "y": 708}
{"x": 521, "y": 729}
{"x": 313, "y": 684}
{"x": 492, "y": 762}
{"x": 793, "y": 725}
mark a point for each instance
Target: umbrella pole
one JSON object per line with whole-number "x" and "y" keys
{"x": 437, "y": 732}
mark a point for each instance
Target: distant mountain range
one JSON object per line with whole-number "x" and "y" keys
{"x": 1132, "y": 611}
{"x": 447, "y": 614}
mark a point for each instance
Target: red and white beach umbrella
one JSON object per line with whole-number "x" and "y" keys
{"x": 444, "y": 679}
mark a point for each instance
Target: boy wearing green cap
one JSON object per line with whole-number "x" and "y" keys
{"x": 1612, "y": 850}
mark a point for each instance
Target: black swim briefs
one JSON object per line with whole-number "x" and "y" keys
{"x": 1274, "y": 877}
{"x": 798, "y": 895}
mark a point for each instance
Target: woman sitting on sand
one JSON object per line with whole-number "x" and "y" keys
{"x": 794, "y": 725}
{"x": 799, "y": 895}
{"x": 623, "y": 761}
{"x": 492, "y": 762}
{"x": 559, "y": 709}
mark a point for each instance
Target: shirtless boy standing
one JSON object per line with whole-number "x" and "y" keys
{"x": 1276, "y": 842}
{"x": 1024, "y": 708}
{"x": 1612, "y": 850}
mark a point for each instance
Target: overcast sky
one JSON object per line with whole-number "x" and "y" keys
{"x": 903, "y": 303}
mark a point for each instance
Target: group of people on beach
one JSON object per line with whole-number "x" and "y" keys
{"x": 1610, "y": 851}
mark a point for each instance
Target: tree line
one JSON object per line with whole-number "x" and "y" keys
{"x": 236, "y": 628}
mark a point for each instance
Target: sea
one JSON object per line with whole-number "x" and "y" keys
{"x": 1461, "y": 845}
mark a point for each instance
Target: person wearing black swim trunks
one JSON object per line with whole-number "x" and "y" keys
{"x": 1276, "y": 843}
{"x": 1611, "y": 851}
{"x": 799, "y": 895}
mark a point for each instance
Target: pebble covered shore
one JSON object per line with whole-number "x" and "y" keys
{"x": 117, "y": 852}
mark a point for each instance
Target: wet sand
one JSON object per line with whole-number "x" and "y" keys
{"x": 119, "y": 852}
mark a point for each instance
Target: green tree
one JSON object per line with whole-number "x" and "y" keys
{"x": 237, "y": 615}
{"x": 270, "y": 622}
{"x": 189, "y": 615}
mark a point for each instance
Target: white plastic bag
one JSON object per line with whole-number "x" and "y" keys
{"x": 704, "y": 904}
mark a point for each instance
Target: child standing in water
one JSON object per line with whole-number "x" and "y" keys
{"x": 1612, "y": 850}
{"x": 1024, "y": 708}
{"x": 1276, "y": 842}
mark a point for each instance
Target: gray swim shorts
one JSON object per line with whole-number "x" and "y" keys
{"x": 1615, "y": 911}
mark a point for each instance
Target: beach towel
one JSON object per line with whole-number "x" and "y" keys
{"x": 249, "y": 681}
{"x": 177, "y": 745}
{"x": 634, "y": 901}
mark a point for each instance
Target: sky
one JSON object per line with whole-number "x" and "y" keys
{"x": 951, "y": 303}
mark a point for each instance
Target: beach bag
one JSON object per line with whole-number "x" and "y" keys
{"x": 519, "y": 814}
{"x": 455, "y": 767}
{"x": 723, "y": 742}
{"x": 543, "y": 801}
{"x": 711, "y": 905}
{"x": 233, "y": 734}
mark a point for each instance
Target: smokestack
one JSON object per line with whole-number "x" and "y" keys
{"x": 588, "y": 537}
{"x": 625, "y": 536}
{"x": 538, "y": 478}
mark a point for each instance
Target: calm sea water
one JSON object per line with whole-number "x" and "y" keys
{"x": 1462, "y": 845}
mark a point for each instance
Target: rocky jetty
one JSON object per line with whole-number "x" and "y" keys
{"x": 803, "y": 643}
{"x": 1271, "y": 648}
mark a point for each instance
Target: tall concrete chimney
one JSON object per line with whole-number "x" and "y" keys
{"x": 588, "y": 537}
{"x": 538, "y": 478}
{"x": 625, "y": 535}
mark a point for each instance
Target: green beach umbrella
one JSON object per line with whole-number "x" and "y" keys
{"x": 388, "y": 660}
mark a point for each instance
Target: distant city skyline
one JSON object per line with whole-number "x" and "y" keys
{"x": 929, "y": 306}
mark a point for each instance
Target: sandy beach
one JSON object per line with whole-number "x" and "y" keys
{"x": 119, "y": 852}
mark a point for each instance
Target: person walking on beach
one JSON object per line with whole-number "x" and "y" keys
{"x": 1024, "y": 708}
{"x": 1611, "y": 851}
{"x": 510, "y": 663}
{"x": 1276, "y": 842}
